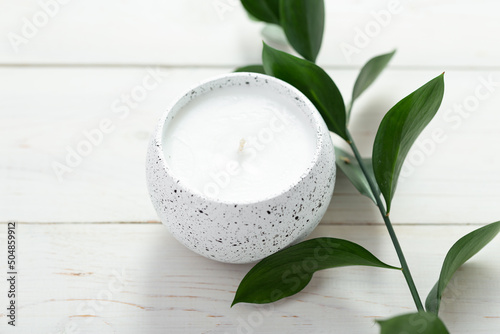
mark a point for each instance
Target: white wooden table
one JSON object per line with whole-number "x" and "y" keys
{"x": 93, "y": 257}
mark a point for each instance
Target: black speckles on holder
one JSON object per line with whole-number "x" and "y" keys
{"x": 236, "y": 232}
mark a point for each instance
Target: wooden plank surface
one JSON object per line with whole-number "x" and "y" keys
{"x": 427, "y": 33}
{"x": 135, "y": 278}
{"x": 46, "y": 112}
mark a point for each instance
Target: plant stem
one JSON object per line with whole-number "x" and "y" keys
{"x": 388, "y": 224}
{"x": 348, "y": 112}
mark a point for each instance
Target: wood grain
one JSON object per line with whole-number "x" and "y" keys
{"x": 131, "y": 278}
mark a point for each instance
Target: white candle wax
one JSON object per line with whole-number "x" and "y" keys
{"x": 240, "y": 144}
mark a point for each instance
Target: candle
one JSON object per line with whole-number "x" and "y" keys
{"x": 241, "y": 166}
{"x": 239, "y": 144}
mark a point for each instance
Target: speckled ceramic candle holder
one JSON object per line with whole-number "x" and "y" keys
{"x": 242, "y": 232}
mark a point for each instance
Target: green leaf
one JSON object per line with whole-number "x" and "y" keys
{"x": 313, "y": 82}
{"x": 350, "y": 166}
{"x": 251, "y": 68}
{"x": 288, "y": 271}
{"x": 303, "y": 22}
{"x": 252, "y": 18}
{"x": 370, "y": 71}
{"x": 413, "y": 323}
{"x": 264, "y": 10}
{"x": 398, "y": 131}
{"x": 459, "y": 253}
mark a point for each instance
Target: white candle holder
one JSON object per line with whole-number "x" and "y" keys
{"x": 242, "y": 232}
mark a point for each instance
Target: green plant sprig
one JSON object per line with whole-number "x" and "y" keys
{"x": 288, "y": 271}
{"x": 404, "y": 265}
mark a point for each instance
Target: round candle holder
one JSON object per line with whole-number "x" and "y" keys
{"x": 242, "y": 232}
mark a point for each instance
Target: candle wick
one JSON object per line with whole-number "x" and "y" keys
{"x": 242, "y": 144}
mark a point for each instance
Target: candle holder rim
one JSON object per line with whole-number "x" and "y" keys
{"x": 307, "y": 105}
